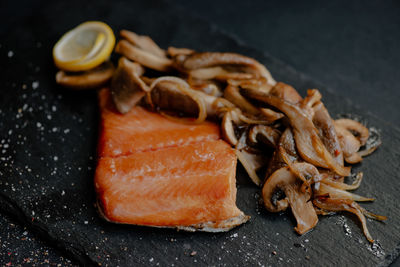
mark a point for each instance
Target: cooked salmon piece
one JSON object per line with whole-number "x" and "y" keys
{"x": 156, "y": 172}
{"x": 141, "y": 130}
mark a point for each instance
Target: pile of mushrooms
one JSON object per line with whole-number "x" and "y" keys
{"x": 289, "y": 145}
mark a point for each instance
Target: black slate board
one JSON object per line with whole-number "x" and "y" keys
{"x": 20, "y": 247}
{"x": 47, "y": 157}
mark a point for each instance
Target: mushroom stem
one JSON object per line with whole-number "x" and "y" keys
{"x": 88, "y": 79}
{"x": 143, "y": 57}
{"x": 306, "y": 136}
{"x": 346, "y": 205}
{"x": 285, "y": 180}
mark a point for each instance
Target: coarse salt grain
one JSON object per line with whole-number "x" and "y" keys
{"x": 35, "y": 85}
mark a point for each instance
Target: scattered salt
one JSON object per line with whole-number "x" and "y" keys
{"x": 35, "y": 85}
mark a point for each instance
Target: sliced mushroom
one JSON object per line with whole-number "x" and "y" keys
{"x": 336, "y": 193}
{"x": 252, "y": 160}
{"x": 265, "y": 134}
{"x": 330, "y": 179}
{"x": 172, "y": 93}
{"x": 329, "y": 204}
{"x": 313, "y": 97}
{"x": 233, "y": 95}
{"x": 208, "y": 88}
{"x": 259, "y": 83}
{"x": 327, "y": 131}
{"x": 361, "y": 131}
{"x": 349, "y": 144}
{"x": 228, "y": 130}
{"x": 373, "y": 142}
{"x": 127, "y": 88}
{"x": 143, "y": 42}
{"x": 213, "y": 59}
{"x": 271, "y": 115}
{"x": 174, "y": 51}
{"x": 218, "y": 73}
{"x": 284, "y": 180}
{"x": 143, "y": 57}
{"x": 286, "y": 142}
{"x": 86, "y": 80}
{"x": 286, "y": 92}
{"x": 308, "y": 143}
{"x": 167, "y": 96}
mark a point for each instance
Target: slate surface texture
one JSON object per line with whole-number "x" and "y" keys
{"x": 48, "y": 138}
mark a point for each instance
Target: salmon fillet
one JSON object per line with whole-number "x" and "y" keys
{"x": 141, "y": 130}
{"x": 156, "y": 172}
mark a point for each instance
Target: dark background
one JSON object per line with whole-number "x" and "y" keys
{"x": 350, "y": 46}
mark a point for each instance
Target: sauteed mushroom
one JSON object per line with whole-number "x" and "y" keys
{"x": 143, "y": 57}
{"x": 308, "y": 142}
{"x": 208, "y": 59}
{"x": 286, "y": 181}
{"x": 88, "y": 79}
{"x": 127, "y": 88}
{"x": 143, "y": 42}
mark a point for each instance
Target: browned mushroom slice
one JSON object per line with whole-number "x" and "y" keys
{"x": 251, "y": 159}
{"x": 143, "y": 57}
{"x": 207, "y": 87}
{"x": 265, "y": 134}
{"x": 251, "y": 163}
{"x": 212, "y": 59}
{"x": 360, "y": 130}
{"x": 143, "y": 42}
{"x": 227, "y": 128}
{"x": 327, "y": 132}
{"x": 313, "y": 97}
{"x": 308, "y": 143}
{"x": 373, "y": 142}
{"x": 286, "y": 92}
{"x": 218, "y": 73}
{"x": 174, "y": 51}
{"x": 349, "y": 144}
{"x": 286, "y": 142}
{"x": 127, "y": 88}
{"x": 172, "y": 93}
{"x": 167, "y": 96}
{"x": 88, "y": 79}
{"x": 259, "y": 83}
{"x": 330, "y": 179}
{"x": 329, "y": 204}
{"x": 285, "y": 181}
{"x": 271, "y": 115}
{"x": 233, "y": 95}
{"x": 336, "y": 193}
